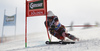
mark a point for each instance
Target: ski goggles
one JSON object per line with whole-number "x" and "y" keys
{"x": 51, "y": 17}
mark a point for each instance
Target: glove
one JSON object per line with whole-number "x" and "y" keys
{"x": 52, "y": 32}
{"x": 52, "y": 26}
{"x": 52, "y": 29}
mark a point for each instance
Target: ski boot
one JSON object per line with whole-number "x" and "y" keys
{"x": 73, "y": 38}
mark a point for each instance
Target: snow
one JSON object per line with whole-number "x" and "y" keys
{"x": 89, "y": 41}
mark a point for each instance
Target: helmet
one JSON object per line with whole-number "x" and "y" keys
{"x": 50, "y": 15}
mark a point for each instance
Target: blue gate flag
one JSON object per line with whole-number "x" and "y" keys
{"x": 9, "y": 20}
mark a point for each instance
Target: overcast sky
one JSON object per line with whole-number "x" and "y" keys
{"x": 78, "y": 11}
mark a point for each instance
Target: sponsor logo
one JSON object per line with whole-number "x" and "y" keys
{"x": 9, "y": 18}
{"x": 36, "y": 5}
{"x": 32, "y": 5}
{"x": 40, "y": 12}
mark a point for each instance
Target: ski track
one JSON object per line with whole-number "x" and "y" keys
{"x": 78, "y": 46}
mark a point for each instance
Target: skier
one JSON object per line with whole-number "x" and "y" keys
{"x": 56, "y": 28}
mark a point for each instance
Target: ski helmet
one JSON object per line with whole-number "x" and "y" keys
{"x": 50, "y": 15}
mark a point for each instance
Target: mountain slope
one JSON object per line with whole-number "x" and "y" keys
{"x": 89, "y": 41}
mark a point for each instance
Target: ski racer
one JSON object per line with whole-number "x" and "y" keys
{"x": 56, "y": 28}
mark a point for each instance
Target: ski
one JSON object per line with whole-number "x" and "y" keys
{"x": 59, "y": 42}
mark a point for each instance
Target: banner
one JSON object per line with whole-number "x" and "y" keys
{"x": 9, "y": 20}
{"x": 35, "y": 8}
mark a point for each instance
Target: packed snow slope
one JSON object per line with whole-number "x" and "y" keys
{"x": 89, "y": 41}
